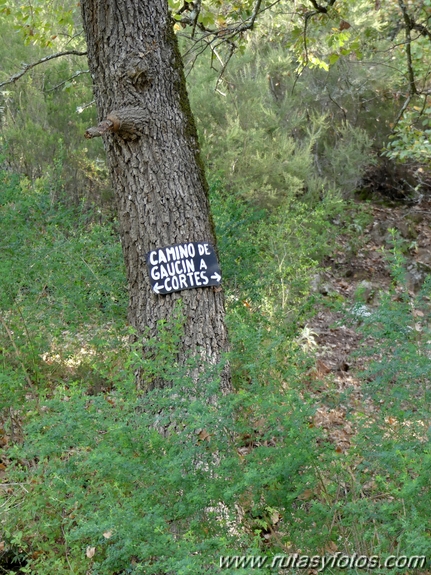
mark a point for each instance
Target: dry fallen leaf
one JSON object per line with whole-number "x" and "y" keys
{"x": 344, "y": 25}
{"x": 204, "y": 435}
{"x": 275, "y": 517}
{"x": 331, "y": 547}
{"x": 306, "y": 495}
{"x": 90, "y": 552}
{"x": 322, "y": 367}
{"x": 107, "y": 534}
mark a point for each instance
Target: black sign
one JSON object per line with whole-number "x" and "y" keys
{"x": 183, "y": 266}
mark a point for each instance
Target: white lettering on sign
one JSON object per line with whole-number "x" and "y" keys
{"x": 183, "y": 266}
{"x": 175, "y": 253}
{"x": 203, "y": 249}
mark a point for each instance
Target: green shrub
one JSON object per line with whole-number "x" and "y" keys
{"x": 43, "y": 118}
{"x": 62, "y": 287}
{"x": 164, "y": 482}
{"x": 391, "y": 457}
{"x": 265, "y": 134}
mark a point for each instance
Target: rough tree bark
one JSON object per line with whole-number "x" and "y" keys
{"x": 153, "y": 156}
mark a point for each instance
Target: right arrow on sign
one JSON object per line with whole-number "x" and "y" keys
{"x": 216, "y": 277}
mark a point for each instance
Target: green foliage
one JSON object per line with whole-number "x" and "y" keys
{"x": 269, "y": 256}
{"x": 61, "y": 275}
{"x": 392, "y": 443}
{"x": 113, "y": 480}
{"x": 43, "y": 119}
{"x": 399, "y": 329}
{"x": 40, "y": 22}
{"x": 374, "y": 53}
{"x": 411, "y": 138}
{"x": 169, "y": 480}
{"x": 108, "y": 479}
{"x": 266, "y": 137}
{"x": 115, "y": 489}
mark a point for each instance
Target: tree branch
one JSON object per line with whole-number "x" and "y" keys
{"x": 318, "y": 8}
{"x": 27, "y": 67}
{"x": 105, "y": 126}
{"x": 230, "y": 31}
{"x": 256, "y": 9}
{"x": 322, "y": 9}
{"x": 408, "y": 24}
{"x": 401, "y": 112}
{"x": 224, "y": 65}
{"x": 196, "y": 11}
{"x": 424, "y": 31}
{"x": 78, "y": 73}
{"x": 129, "y": 123}
{"x": 212, "y": 37}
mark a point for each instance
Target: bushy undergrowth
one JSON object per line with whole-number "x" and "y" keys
{"x": 95, "y": 473}
{"x": 61, "y": 285}
{"x": 111, "y": 493}
{"x": 44, "y": 116}
{"x": 269, "y": 255}
{"x": 270, "y": 135}
{"x": 391, "y": 456}
{"x": 100, "y": 479}
{"x": 103, "y": 480}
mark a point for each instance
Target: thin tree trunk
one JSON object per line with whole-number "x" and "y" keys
{"x": 153, "y": 156}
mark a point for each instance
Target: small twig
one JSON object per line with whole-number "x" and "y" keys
{"x": 28, "y": 336}
{"x": 253, "y": 16}
{"x": 217, "y": 55}
{"x": 15, "y": 485}
{"x": 18, "y": 356}
{"x": 27, "y": 67}
{"x": 66, "y": 549}
{"x": 78, "y": 73}
{"x": 12, "y": 425}
{"x": 80, "y": 109}
{"x": 307, "y": 17}
{"x": 318, "y": 8}
{"x": 322, "y": 9}
{"x": 424, "y": 105}
{"x": 421, "y": 28}
{"x": 224, "y": 66}
{"x": 196, "y": 11}
{"x": 298, "y": 74}
{"x": 337, "y": 104}
{"x": 401, "y": 112}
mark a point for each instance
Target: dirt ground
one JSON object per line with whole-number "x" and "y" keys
{"x": 363, "y": 269}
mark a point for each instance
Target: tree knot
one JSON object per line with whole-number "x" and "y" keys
{"x": 127, "y": 122}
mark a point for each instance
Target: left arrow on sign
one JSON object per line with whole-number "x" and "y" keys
{"x": 157, "y": 288}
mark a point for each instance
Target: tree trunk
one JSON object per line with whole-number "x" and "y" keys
{"x": 153, "y": 156}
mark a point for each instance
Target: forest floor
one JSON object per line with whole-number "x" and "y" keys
{"x": 349, "y": 288}
{"x": 362, "y": 269}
